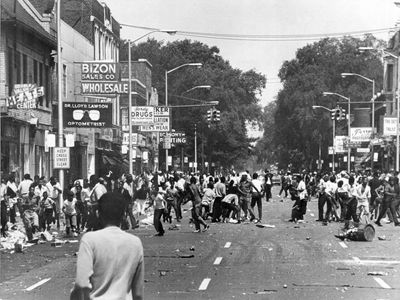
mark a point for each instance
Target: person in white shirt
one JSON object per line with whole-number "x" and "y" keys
{"x": 363, "y": 197}
{"x": 257, "y": 194}
{"x": 24, "y": 185}
{"x": 12, "y": 190}
{"x": 54, "y": 190}
{"x": 110, "y": 261}
{"x": 69, "y": 210}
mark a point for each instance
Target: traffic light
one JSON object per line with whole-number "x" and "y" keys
{"x": 209, "y": 115}
{"x": 216, "y": 115}
{"x": 342, "y": 114}
{"x": 336, "y": 113}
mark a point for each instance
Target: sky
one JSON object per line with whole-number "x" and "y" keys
{"x": 254, "y": 17}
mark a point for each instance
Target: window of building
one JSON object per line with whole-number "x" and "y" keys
{"x": 36, "y": 72}
{"x": 10, "y": 78}
{"x": 40, "y": 78}
{"x": 64, "y": 83}
{"x": 24, "y": 68}
{"x": 389, "y": 77}
{"x": 18, "y": 67}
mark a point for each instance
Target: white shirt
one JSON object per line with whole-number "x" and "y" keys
{"x": 53, "y": 190}
{"x": 69, "y": 207}
{"x": 257, "y": 184}
{"x": 23, "y": 187}
{"x": 301, "y": 187}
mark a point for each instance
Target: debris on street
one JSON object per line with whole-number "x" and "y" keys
{"x": 377, "y": 273}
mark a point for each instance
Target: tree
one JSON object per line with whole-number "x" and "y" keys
{"x": 317, "y": 68}
{"x": 237, "y": 91}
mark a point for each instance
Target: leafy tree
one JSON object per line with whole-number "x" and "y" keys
{"x": 317, "y": 68}
{"x": 237, "y": 91}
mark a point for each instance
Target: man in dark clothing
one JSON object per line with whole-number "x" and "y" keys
{"x": 268, "y": 185}
{"x": 374, "y": 184}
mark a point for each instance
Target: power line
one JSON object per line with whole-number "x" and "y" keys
{"x": 268, "y": 37}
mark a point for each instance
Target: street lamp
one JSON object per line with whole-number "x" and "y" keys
{"x": 373, "y": 108}
{"x": 170, "y": 32}
{"x": 199, "y": 65}
{"x": 197, "y": 87}
{"x": 333, "y": 134}
{"x": 348, "y": 122}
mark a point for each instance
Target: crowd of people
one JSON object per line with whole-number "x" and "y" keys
{"x": 233, "y": 198}
{"x": 350, "y": 198}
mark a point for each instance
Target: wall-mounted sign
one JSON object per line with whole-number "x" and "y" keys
{"x": 103, "y": 88}
{"x": 99, "y": 71}
{"x": 389, "y": 126}
{"x": 61, "y": 158}
{"x": 177, "y": 137}
{"x": 87, "y": 115}
{"x": 161, "y": 120}
{"x": 340, "y": 143}
{"x": 360, "y": 134}
{"x": 142, "y": 115}
{"x": 125, "y": 138}
{"x": 25, "y": 96}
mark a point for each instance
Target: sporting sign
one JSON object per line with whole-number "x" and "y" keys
{"x": 177, "y": 137}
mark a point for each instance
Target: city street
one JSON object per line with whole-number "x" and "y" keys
{"x": 232, "y": 261}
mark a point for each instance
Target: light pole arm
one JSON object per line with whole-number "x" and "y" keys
{"x": 184, "y": 65}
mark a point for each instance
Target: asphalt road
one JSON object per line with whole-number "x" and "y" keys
{"x": 232, "y": 261}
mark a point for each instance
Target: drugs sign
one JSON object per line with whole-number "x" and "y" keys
{"x": 142, "y": 115}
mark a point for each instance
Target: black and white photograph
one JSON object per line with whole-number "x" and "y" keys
{"x": 199, "y": 149}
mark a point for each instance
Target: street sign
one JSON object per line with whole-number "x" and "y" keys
{"x": 363, "y": 150}
{"x": 339, "y": 143}
{"x": 61, "y": 158}
{"x": 331, "y": 150}
{"x": 125, "y": 138}
{"x": 142, "y": 115}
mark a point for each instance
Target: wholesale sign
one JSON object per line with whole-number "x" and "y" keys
{"x": 87, "y": 115}
{"x": 360, "y": 134}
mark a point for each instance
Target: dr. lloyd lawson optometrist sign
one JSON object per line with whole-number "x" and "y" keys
{"x": 101, "y": 78}
{"x": 87, "y": 115}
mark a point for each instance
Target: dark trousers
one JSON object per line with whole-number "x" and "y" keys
{"x": 283, "y": 189}
{"x": 13, "y": 214}
{"x": 227, "y": 208}
{"x": 299, "y": 209}
{"x": 93, "y": 222}
{"x": 351, "y": 211}
{"x": 3, "y": 217}
{"x": 217, "y": 209}
{"x": 196, "y": 216}
{"x": 179, "y": 202}
{"x": 268, "y": 194}
{"x": 388, "y": 203}
{"x": 254, "y": 201}
{"x": 321, "y": 203}
{"x": 157, "y": 220}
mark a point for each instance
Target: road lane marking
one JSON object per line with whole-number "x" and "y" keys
{"x": 204, "y": 284}
{"x": 382, "y": 283}
{"x": 356, "y": 259}
{"x": 217, "y": 260}
{"x": 227, "y": 245}
{"x": 43, "y": 281}
{"x": 343, "y": 244}
{"x": 366, "y": 262}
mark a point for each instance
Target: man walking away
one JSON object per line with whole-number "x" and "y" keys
{"x": 110, "y": 261}
{"x": 268, "y": 185}
{"x": 220, "y": 192}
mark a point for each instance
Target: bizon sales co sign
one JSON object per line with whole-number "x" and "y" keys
{"x": 360, "y": 134}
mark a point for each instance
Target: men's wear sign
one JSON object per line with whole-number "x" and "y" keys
{"x": 87, "y": 115}
{"x": 360, "y": 134}
{"x": 61, "y": 158}
{"x": 161, "y": 120}
{"x": 142, "y": 115}
{"x": 389, "y": 126}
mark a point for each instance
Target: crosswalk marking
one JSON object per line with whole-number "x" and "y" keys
{"x": 43, "y": 281}
{"x": 227, "y": 245}
{"x": 217, "y": 260}
{"x": 343, "y": 244}
{"x": 382, "y": 283}
{"x": 204, "y": 284}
